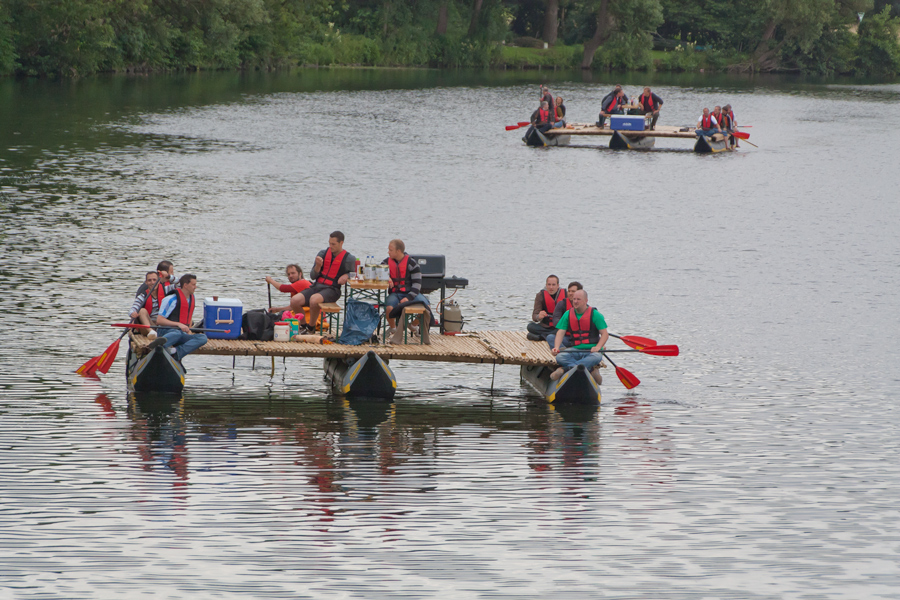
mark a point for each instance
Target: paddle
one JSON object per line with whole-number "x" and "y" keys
{"x": 668, "y": 350}
{"x": 141, "y": 326}
{"x": 521, "y": 124}
{"x": 741, "y": 134}
{"x": 626, "y": 377}
{"x": 635, "y": 341}
{"x": 103, "y": 362}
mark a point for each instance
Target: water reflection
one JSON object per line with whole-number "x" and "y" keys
{"x": 159, "y": 433}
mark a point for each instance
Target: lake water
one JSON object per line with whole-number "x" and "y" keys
{"x": 760, "y": 463}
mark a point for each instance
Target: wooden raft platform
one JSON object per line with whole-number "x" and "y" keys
{"x": 661, "y": 131}
{"x": 495, "y": 347}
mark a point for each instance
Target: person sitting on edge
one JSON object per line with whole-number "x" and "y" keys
{"x": 164, "y": 269}
{"x": 588, "y": 330}
{"x": 295, "y": 285}
{"x": 560, "y": 113}
{"x": 728, "y": 124}
{"x": 176, "y": 312}
{"x": 406, "y": 283}
{"x": 560, "y": 310}
{"x": 541, "y": 119}
{"x": 545, "y": 302}
{"x": 650, "y": 105}
{"x": 707, "y": 124}
{"x": 144, "y": 309}
{"x": 612, "y": 104}
{"x": 331, "y": 270}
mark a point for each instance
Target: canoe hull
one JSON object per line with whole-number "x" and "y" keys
{"x": 540, "y": 140}
{"x": 368, "y": 377}
{"x": 621, "y": 141}
{"x": 576, "y": 386}
{"x": 157, "y": 371}
{"x": 706, "y": 145}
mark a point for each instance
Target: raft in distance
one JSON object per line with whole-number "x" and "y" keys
{"x": 628, "y": 140}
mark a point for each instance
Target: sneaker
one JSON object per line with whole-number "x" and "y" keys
{"x": 524, "y": 139}
{"x": 160, "y": 341}
{"x": 596, "y": 375}
{"x": 151, "y": 333}
{"x": 555, "y": 375}
{"x": 533, "y": 337}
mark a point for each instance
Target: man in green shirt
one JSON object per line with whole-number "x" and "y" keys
{"x": 588, "y": 330}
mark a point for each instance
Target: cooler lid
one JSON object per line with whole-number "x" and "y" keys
{"x": 222, "y": 302}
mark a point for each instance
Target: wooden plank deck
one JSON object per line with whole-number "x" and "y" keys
{"x": 661, "y": 131}
{"x": 495, "y": 347}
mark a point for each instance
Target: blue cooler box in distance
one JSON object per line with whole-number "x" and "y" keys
{"x": 224, "y": 313}
{"x": 626, "y": 122}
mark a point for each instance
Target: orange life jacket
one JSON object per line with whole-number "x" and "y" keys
{"x": 398, "y": 274}
{"x": 330, "y": 267}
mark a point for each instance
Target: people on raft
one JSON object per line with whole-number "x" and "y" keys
{"x": 295, "y": 285}
{"x": 560, "y": 310}
{"x": 541, "y": 120}
{"x": 331, "y": 270}
{"x": 145, "y": 307}
{"x": 560, "y": 113}
{"x": 164, "y": 269}
{"x": 613, "y": 104}
{"x": 726, "y": 122}
{"x": 650, "y": 105}
{"x": 176, "y": 313}
{"x": 545, "y": 302}
{"x": 707, "y": 124}
{"x": 588, "y": 330}
{"x": 406, "y": 287}
{"x": 546, "y": 96}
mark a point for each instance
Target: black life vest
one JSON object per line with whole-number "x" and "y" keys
{"x": 707, "y": 122}
{"x": 550, "y": 304}
{"x": 398, "y": 274}
{"x": 583, "y": 330}
{"x": 185, "y": 308}
{"x": 331, "y": 265}
{"x": 152, "y": 303}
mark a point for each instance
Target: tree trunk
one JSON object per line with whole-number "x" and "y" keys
{"x": 476, "y": 12}
{"x": 764, "y": 56}
{"x": 605, "y": 24}
{"x": 551, "y": 22}
{"x": 442, "y": 19}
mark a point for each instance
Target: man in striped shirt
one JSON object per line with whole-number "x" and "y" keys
{"x": 406, "y": 280}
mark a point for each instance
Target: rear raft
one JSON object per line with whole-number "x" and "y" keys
{"x": 367, "y": 377}
{"x": 631, "y": 140}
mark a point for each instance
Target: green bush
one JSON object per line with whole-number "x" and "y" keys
{"x": 878, "y": 53}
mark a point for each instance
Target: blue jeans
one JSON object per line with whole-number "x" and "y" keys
{"x": 551, "y": 339}
{"x": 393, "y": 301}
{"x": 184, "y": 343}
{"x": 570, "y": 359}
{"x": 706, "y": 132}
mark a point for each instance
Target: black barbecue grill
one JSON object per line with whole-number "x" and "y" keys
{"x": 434, "y": 271}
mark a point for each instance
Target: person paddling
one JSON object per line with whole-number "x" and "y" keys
{"x": 588, "y": 330}
{"x": 145, "y": 307}
{"x": 331, "y": 270}
{"x": 545, "y": 302}
{"x": 176, "y": 313}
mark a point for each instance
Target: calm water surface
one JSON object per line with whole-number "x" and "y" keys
{"x": 761, "y": 463}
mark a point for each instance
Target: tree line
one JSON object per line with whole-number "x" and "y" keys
{"x": 78, "y": 37}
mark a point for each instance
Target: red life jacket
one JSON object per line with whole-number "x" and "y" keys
{"x": 649, "y": 100}
{"x": 613, "y": 104}
{"x": 150, "y": 302}
{"x": 330, "y": 267}
{"x": 543, "y": 115}
{"x": 550, "y": 303}
{"x": 398, "y": 274}
{"x": 581, "y": 328}
{"x": 706, "y": 122}
{"x": 724, "y": 121}
{"x": 185, "y": 308}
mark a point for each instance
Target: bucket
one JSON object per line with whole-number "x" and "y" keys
{"x": 282, "y": 331}
{"x": 295, "y": 326}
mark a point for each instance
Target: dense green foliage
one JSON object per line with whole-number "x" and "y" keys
{"x": 75, "y": 37}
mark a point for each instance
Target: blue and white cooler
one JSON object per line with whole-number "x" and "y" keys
{"x": 222, "y": 313}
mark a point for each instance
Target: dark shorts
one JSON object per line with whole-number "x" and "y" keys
{"x": 329, "y": 293}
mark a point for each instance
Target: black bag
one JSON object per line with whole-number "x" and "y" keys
{"x": 258, "y": 324}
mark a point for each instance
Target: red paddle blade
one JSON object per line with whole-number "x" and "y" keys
{"x": 627, "y": 378}
{"x": 524, "y": 123}
{"x": 637, "y": 342}
{"x": 668, "y": 350}
{"x": 511, "y": 127}
{"x": 741, "y": 134}
{"x": 107, "y": 358}
{"x": 89, "y": 368}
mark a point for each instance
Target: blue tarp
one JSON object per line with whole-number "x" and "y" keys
{"x": 360, "y": 323}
